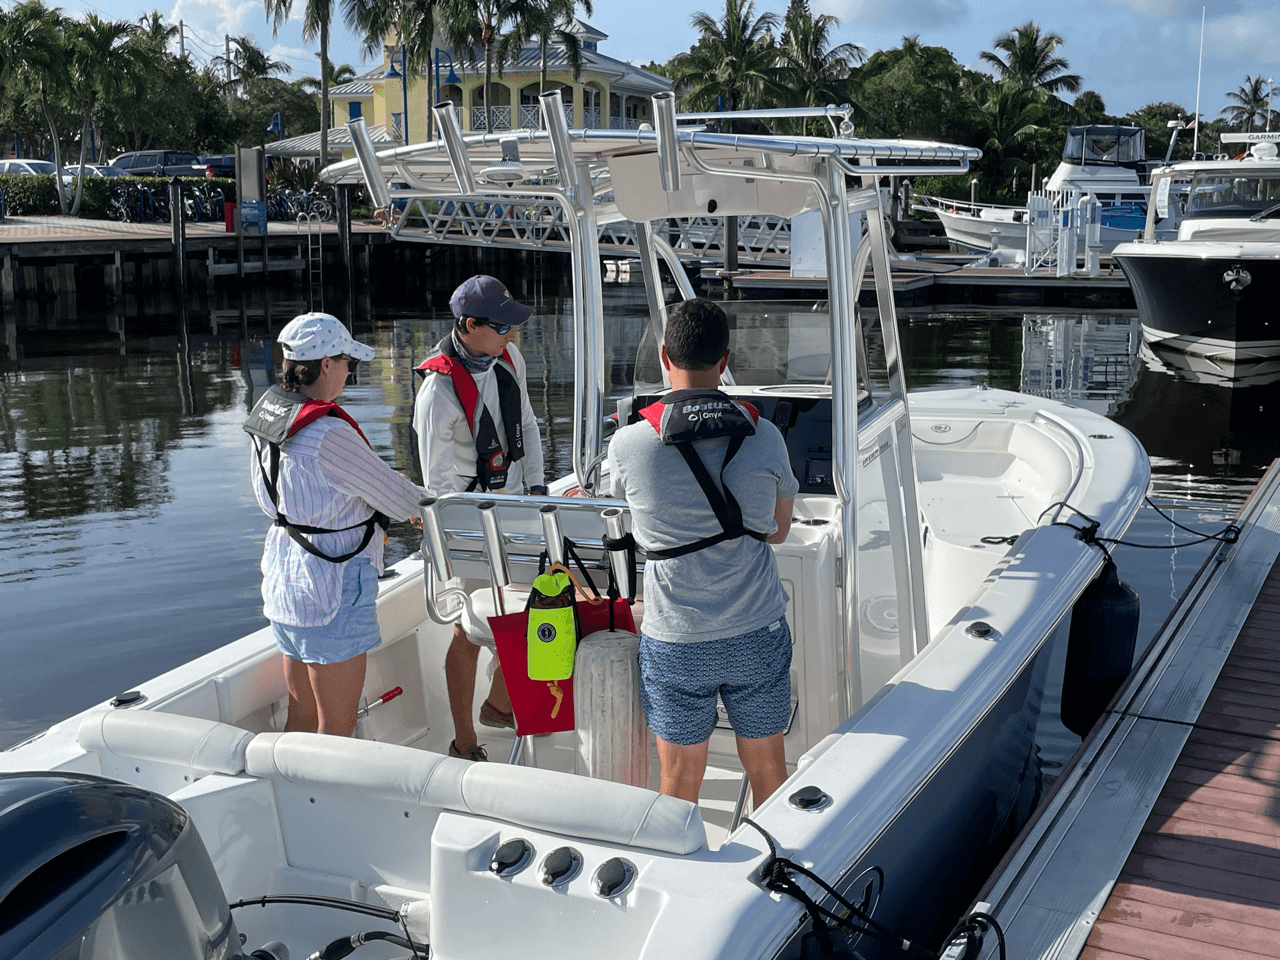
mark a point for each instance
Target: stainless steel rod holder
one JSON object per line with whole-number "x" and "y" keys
{"x": 664, "y": 127}
{"x": 495, "y": 549}
{"x": 368, "y": 159}
{"x": 561, "y": 146}
{"x": 551, "y": 532}
{"x": 451, "y": 134}
{"x": 435, "y": 548}
{"x": 619, "y": 560}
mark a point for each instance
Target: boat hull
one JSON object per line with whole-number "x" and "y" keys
{"x": 1187, "y": 300}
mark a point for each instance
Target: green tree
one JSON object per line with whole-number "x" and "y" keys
{"x": 1009, "y": 114}
{"x": 248, "y": 62}
{"x": 102, "y": 64}
{"x": 734, "y": 59}
{"x": 1030, "y": 60}
{"x": 540, "y": 21}
{"x": 808, "y": 66}
{"x": 1248, "y": 103}
{"x": 479, "y": 23}
{"x": 1088, "y": 107}
{"x": 316, "y": 17}
{"x": 915, "y": 91}
{"x": 411, "y": 23}
{"x": 40, "y": 50}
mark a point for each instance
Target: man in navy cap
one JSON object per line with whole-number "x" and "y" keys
{"x": 477, "y": 431}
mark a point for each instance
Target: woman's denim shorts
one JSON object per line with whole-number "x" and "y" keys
{"x": 353, "y": 629}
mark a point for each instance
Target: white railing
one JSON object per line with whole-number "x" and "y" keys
{"x": 591, "y": 118}
{"x": 531, "y": 116}
{"x": 541, "y": 225}
{"x": 501, "y": 118}
{"x": 624, "y": 123}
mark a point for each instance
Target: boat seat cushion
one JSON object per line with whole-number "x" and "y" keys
{"x": 539, "y": 799}
{"x": 205, "y": 746}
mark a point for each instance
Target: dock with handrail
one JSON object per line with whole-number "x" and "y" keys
{"x": 1161, "y": 839}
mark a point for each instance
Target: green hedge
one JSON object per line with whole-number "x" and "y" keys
{"x": 29, "y": 195}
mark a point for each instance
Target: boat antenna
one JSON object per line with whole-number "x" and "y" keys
{"x": 1195, "y": 140}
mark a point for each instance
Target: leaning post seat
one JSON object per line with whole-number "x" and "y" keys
{"x": 499, "y": 540}
{"x": 547, "y": 800}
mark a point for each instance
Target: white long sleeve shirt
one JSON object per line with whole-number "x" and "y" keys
{"x": 329, "y": 477}
{"x": 446, "y": 448}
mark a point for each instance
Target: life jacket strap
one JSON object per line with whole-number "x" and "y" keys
{"x": 723, "y": 505}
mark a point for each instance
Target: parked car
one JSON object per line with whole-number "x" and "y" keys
{"x": 161, "y": 163}
{"x": 27, "y": 166}
{"x": 221, "y": 165}
{"x": 69, "y": 173}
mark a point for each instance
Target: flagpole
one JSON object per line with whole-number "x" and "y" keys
{"x": 1195, "y": 142}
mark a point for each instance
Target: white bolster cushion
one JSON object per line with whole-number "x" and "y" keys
{"x": 383, "y": 770}
{"x": 584, "y": 807}
{"x": 539, "y": 799}
{"x": 205, "y": 746}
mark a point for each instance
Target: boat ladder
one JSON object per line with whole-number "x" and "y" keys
{"x": 315, "y": 262}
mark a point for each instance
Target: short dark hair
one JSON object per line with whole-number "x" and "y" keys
{"x": 697, "y": 334}
{"x": 301, "y": 373}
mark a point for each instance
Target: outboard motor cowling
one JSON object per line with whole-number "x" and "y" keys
{"x": 97, "y": 869}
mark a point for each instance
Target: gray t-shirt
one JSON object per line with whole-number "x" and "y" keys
{"x": 727, "y": 589}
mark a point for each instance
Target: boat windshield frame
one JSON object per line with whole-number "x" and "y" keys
{"x": 1232, "y": 194}
{"x": 1128, "y": 151}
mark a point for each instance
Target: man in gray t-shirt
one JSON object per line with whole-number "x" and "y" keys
{"x": 714, "y": 619}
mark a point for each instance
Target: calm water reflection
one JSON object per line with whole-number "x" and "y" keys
{"x": 129, "y": 539}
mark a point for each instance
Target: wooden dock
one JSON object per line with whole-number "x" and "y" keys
{"x": 1161, "y": 840}
{"x": 942, "y": 279}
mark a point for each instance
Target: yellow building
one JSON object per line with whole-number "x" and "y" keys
{"x": 608, "y": 93}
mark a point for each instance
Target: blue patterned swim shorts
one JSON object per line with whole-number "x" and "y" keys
{"x": 352, "y": 631}
{"x": 751, "y": 672}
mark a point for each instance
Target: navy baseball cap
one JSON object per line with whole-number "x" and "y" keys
{"x": 487, "y": 298}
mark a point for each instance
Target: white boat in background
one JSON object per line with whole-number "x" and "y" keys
{"x": 933, "y": 577}
{"x": 1107, "y": 163}
{"x": 1212, "y": 291}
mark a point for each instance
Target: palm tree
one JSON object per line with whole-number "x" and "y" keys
{"x": 1248, "y": 103}
{"x": 734, "y": 59}
{"x": 1009, "y": 114}
{"x": 411, "y": 22}
{"x": 249, "y": 62}
{"x": 316, "y": 17}
{"x": 35, "y": 49}
{"x": 102, "y": 63}
{"x": 472, "y": 23}
{"x": 541, "y": 20}
{"x": 1030, "y": 62}
{"x": 807, "y": 66}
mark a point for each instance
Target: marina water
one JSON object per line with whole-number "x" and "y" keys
{"x": 130, "y": 539}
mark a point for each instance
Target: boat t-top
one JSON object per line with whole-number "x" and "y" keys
{"x": 941, "y": 547}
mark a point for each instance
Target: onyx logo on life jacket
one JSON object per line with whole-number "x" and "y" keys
{"x": 685, "y": 417}
{"x": 494, "y": 457}
{"x": 280, "y": 414}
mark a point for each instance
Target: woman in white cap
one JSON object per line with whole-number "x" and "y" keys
{"x": 331, "y": 497}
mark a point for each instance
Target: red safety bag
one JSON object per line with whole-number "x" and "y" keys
{"x": 533, "y": 702}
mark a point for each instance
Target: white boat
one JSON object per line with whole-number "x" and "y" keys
{"x": 1105, "y": 162}
{"x": 1211, "y": 292}
{"x": 932, "y": 571}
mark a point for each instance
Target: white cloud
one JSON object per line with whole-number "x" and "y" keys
{"x": 913, "y": 15}
{"x": 214, "y": 19}
{"x": 1248, "y": 39}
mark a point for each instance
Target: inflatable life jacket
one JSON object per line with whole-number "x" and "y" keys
{"x": 682, "y": 418}
{"x": 493, "y": 456}
{"x": 280, "y": 414}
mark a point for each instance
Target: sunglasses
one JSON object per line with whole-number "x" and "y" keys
{"x": 501, "y": 328}
{"x": 352, "y": 362}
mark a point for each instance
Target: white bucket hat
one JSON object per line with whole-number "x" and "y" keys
{"x": 315, "y": 335}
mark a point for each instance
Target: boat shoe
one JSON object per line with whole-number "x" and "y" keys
{"x": 475, "y": 753}
{"x": 491, "y": 716}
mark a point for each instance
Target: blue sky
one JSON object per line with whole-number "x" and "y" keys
{"x": 1132, "y": 52}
